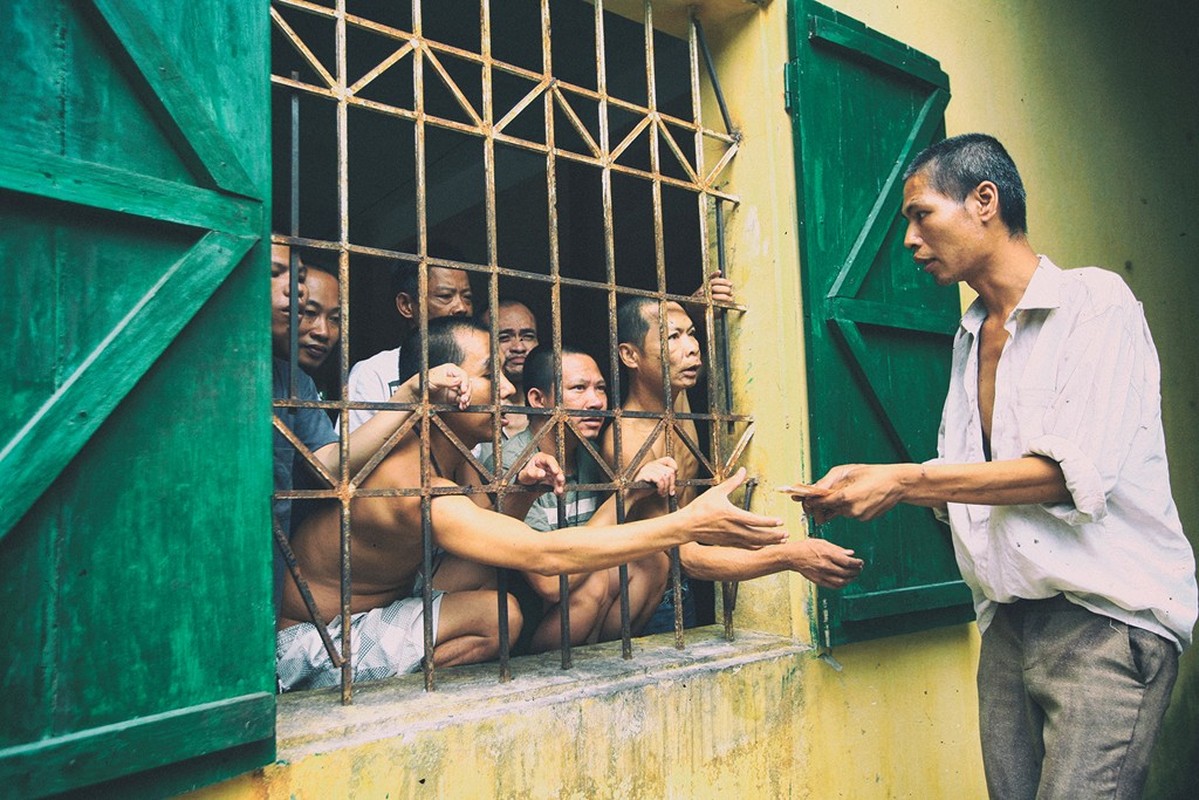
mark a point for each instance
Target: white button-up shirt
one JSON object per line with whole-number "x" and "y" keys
{"x": 1078, "y": 382}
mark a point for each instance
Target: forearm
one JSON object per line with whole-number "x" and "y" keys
{"x": 1021, "y": 481}
{"x": 593, "y": 547}
{"x": 504, "y": 542}
{"x": 706, "y": 563}
{"x": 366, "y": 440}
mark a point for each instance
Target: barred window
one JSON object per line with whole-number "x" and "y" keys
{"x": 553, "y": 153}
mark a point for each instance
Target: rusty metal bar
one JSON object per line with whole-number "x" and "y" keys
{"x": 651, "y": 83}
{"x": 489, "y": 204}
{"x": 293, "y": 566}
{"x": 711, "y": 67}
{"x": 293, "y": 330}
{"x": 343, "y": 229}
{"x": 426, "y": 453}
{"x": 606, "y": 199}
{"x": 728, "y": 589}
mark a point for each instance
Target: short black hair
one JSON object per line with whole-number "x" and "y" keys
{"x": 957, "y": 165}
{"x": 539, "y": 366}
{"x": 405, "y": 278}
{"x": 444, "y": 347}
{"x": 631, "y": 324}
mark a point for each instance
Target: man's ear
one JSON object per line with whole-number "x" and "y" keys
{"x": 537, "y": 398}
{"x": 405, "y": 305}
{"x": 630, "y": 355}
{"x": 986, "y": 195}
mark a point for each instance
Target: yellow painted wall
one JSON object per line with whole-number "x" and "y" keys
{"x": 717, "y": 721}
{"x": 900, "y": 717}
{"x": 1098, "y": 107}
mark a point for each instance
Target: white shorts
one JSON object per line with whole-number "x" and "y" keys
{"x": 384, "y": 641}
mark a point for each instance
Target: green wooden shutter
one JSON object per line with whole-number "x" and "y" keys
{"x": 134, "y": 434}
{"x": 879, "y": 332}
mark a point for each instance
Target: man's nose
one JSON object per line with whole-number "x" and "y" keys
{"x": 507, "y": 390}
{"x": 518, "y": 346}
{"x": 910, "y": 239}
{"x": 460, "y": 307}
{"x": 320, "y": 329}
{"x": 595, "y": 400}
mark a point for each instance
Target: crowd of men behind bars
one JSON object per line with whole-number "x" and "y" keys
{"x": 555, "y": 523}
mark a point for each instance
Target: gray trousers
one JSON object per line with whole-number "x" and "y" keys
{"x": 1070, "y": 702}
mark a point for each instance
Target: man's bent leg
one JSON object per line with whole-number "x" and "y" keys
{"x": 648, "y": 578}
{"x": 468, "y": 629}
{"x": 1105, "y": 688}
{"x": 589, "y": 600}
{"x": 1009, "y": 723}
{"x": 455, "y": 574}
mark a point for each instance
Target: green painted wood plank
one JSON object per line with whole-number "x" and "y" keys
{"x": 100, "y": 754}
{"x": 878, "y": 223}
{"x": 42, "y": 447}
{"x": 172, "y": 98}
{"x": 883, "y": 50}
{"x": 904, "y": 600}
{"x": 909, "y": 318}
{"x": 114, "y": 189}
{"x": 868, "y": 379}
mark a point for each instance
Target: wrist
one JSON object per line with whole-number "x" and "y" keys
{"x": 913, "y": 481}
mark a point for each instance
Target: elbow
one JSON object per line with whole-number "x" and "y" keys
{"x": 548, "y": 565}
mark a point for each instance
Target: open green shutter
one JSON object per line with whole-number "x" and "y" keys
{"x": 134, "y": 437}
{"x": 879, "y": 332}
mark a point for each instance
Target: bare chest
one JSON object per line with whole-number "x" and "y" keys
{"x": 992, "y": 339}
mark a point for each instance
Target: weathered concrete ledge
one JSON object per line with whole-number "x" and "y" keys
{"x": 314, "y": 722}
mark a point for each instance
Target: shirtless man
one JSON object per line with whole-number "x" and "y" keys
{"x": 818, "y": 560}
{"x": 594, "y": 616}
{"x": 387, "y": 532}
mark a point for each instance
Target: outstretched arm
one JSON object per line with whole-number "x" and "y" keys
{"x": 819, "y": 561}
{"x": 866, "y": 491}
{"x": 479, "y": 535}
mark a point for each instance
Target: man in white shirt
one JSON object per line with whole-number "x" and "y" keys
{"x": 1052, "y": 473}
{"x": 376, "y": 379}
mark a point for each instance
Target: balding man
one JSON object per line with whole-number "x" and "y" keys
{"x": 376, "y": 378}
{"x": 516, "y": 331}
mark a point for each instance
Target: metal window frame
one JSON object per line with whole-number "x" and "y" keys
{"x": 553, "y": 93}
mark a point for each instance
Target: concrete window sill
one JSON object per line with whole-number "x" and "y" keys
{"x": 314, "y": 722}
